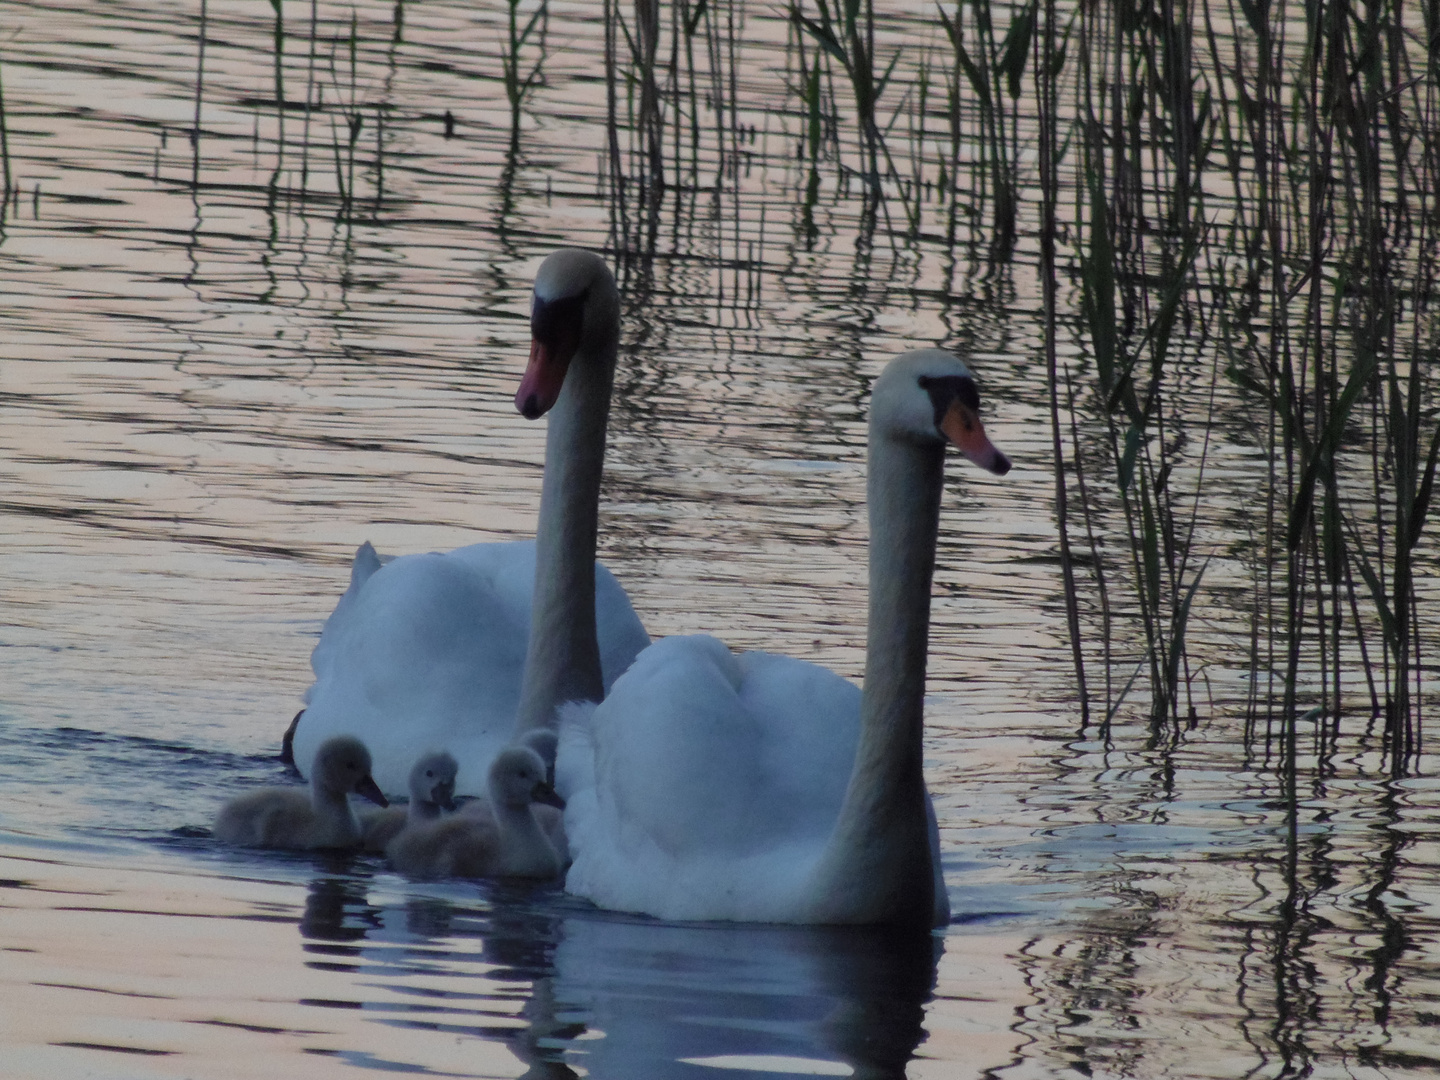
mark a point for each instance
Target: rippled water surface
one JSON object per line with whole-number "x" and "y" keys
{"x": 219, "y": 378}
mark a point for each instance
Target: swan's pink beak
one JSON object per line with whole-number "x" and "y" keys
{"x": 543, "y": 381}
{"x": 961, "y": 425}
{"x": 555, "y": 328}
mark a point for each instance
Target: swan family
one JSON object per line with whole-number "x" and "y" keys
{"x": 462, "y": 650}
{"x": 697, "y": 783}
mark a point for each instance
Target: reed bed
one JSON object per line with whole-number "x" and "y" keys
{"x": 1248, "y": 224}
{"x": 1284, "y": 219}
{"x": 1231, "y": 210}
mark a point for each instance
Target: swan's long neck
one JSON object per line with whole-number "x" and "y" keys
{"x": 877, "y": 865}
{"x": 563, "y": 660}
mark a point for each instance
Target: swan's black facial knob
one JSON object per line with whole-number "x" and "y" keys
{"x": 555, "y": 330}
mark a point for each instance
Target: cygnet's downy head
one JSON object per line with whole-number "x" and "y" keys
{"x": 342, "y": 765}
{"x": 929, "y": 396}
{"x": 517, "y": 778}
{"x": 432, "y": 780}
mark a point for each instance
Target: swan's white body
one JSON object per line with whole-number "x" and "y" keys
{"x": 755, "y": 787}
{"x": 720, "y": 778}
{"x": 430, "y": 651}
{"x": 508, "y": 841}
{"x": 320, "y": 817}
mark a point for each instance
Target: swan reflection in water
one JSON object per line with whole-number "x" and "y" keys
{"x": 618, "y": 996}
{"x": 676, "y": 1000}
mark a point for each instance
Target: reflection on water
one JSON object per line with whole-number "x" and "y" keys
{"x": 211, "y": 394}
{"x": 705, "y": 994}
{"x": 564, "y": 989}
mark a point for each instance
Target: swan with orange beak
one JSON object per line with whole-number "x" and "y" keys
{"x": 429, "y": 651}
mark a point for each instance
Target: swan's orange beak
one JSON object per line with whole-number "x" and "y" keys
{"x": 544, "y": 378}
{"x": 555, "y": 327}
{"x": 961, "y": 425}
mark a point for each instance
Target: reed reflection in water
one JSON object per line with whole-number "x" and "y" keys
{"x": 461, "y": 980}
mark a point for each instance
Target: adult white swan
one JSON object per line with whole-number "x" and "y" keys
{"x": 426, "y": 652}
{"x": 755, "y": 787}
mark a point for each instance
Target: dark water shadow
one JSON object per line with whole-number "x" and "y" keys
{"x": 614, "y": 996}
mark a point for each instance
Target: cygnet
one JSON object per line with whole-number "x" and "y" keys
{"x": 432, "y": 790}
{"x": 289, "y": 818}
{"x": 509, "y": 842}
{"x": 546, "y": 743}
{"x": 550, "y": 816}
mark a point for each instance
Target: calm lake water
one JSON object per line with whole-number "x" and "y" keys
{"x": 213, "y": 392}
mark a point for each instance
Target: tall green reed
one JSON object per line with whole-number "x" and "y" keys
{"x": 1135, "y": 285}
{"x": 1242, "y": 198}
{"x": 1047, "y": 69}
{"x": 518, "y": 86}
{"x": 994, "y": 73}
{"x": 847, "y": 35}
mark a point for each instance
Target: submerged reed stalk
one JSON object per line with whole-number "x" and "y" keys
{"x": 279, "y": 45}
{"x": 4, "y": 149}
{"x": 199, "y": 95}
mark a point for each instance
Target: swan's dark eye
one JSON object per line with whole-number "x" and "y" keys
{"x": 429, "y": 773}
{"x": 552, "y": 321}
{"x": 945, "y": 389}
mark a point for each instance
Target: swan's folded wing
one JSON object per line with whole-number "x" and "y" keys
{"x": 429, "y": 654}
{"x": 366, "y": 562}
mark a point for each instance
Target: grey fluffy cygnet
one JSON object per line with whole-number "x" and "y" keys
{"x": 509, "y": 842}
{"x": 551, "y": 817}
{"x": 294, "y": 818}
{"x": 432, "y": 791}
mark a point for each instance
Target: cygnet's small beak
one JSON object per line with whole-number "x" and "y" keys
{"x": 543, "y": 792}
{"x": 367, "y": 787}
{"x": 445, "y": 795}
